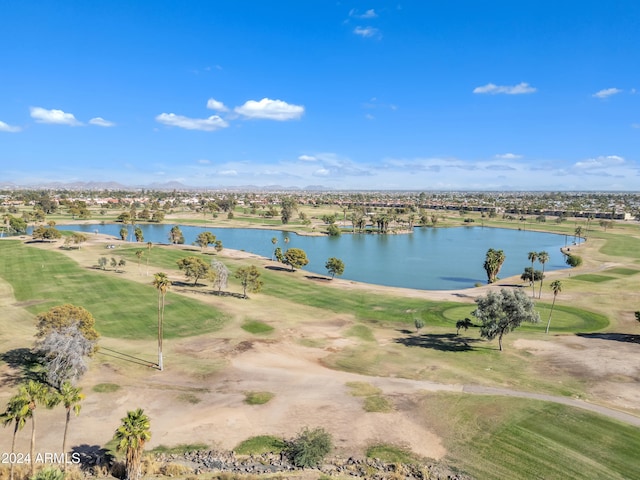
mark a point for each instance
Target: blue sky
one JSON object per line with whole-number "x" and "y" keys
{"x": 427, "y": 95}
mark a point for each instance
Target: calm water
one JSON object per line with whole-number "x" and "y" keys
{"x": 428, "y": 259}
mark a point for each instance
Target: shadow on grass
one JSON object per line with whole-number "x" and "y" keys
{"x": 107, "y": 352}
{"x": 618, "y": 337}
{"x": 279, "y": 269}
{"x": 444, "y": 342}
{"x": 25, "y": 365}
{"x": 217, "y": 293}
{"x": 90, "y": 456}
{"x": 315, "y": 277}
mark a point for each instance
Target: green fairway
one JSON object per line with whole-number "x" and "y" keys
{"x": 590, "y": 277}
{"x": 500, "y": 437}
{"x": 122, "y": 308}
{"x": 623, "y": 271}
{"x": 621, "y": 246}
{"x": 565, "y": 319}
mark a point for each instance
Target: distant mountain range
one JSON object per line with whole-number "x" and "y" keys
{"x": 167, "y": 186}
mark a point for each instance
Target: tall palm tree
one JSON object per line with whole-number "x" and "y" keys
{"x": 533, "y": 256}
{"x": 71, "y": 397}
{"x": 162, "y": 283}
{"x": 274, "y": 241}
{"x": 149, "y": 245}
{"x": 131, "y": 437}
{"x": 543, "y": 257}
{"x": 556, "y": 287}
{"x": 17, "y": 413}
{"x": 139, "y": 254}
{"x": 33, "y": 394}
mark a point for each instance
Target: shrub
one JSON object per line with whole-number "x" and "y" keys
{"x": 573, "y": 260}
{"x": 309, "y": 448}
{"x": 49, "y": 474}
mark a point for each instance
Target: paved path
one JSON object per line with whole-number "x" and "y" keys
{"x": 572, "y": 402}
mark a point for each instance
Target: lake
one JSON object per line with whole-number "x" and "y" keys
{"x": 443, "y": 258}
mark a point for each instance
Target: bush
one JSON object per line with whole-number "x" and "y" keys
{"x": 49, "y": 474}
{"x": 309, "y": 448}
{"x": 573, "y": 260}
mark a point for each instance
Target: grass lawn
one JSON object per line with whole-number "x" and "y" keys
{"x": 122, "y": 308}
{"x": 623, "y": 271}
{"x": 260, "y": 444}
{"x": 500, "y": 437}
{"x": 257, "y": 327}
{"x": 593, "y": 278}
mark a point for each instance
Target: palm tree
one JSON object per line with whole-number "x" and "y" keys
{"x": 17, "y": 413}
{"x": 162, "y": 283}
{"x": 543, "y": 257}
{"x": 71, "y": 397}
{"x": 533, "y": 256}
{"x": 139, "y": 254}
{"x": 131, "y": 437}
{"x": 274, "y": 241}
{"x": 577, "y": 233}
{"x": 149, "y": 245}
{"x": 34, "y": 394}
{"x": 556, "y": 287}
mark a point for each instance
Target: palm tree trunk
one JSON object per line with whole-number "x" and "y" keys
{"x": 13, "y": 449}
{"x": 66, "y": 429}
{"x": 550, "y": 313}
{"x": 541, "y": 279}
{"x": 533, "y": 281}
{"x": 33, "y": 443}
{"x": 160, "y": 314}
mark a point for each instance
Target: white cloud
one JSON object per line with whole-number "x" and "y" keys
{"x": 509, "y": 156}
{"x": 210, "y": 124}
{"x": 307, "y": 158}
{"x": 228, "y": 173}
{"x": 367, "y": 32}
{"x": 101, "y": 122}
{"x": 607, "y": 92}
{"x": 204, "y": 161}
{"x": 322, "y": 172}
{"x": 213, "y": 104}
{"x": 371, "y": 13}
{"x": 57, "y": 117}
{"x": 493, "y": 89}
{"x": 270, "y": 110}
{"x": 5, "y": 127}
{"x": 603, "y": 161}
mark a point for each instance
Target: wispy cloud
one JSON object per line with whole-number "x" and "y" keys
{"x": 213, "y": 104}
{"x": 209, "y": 124}
{"x": 603, "y": 161}
{"x": 56, "y": 117}
{"x": 508, "y": 156}
{"x": 307, "y": 158}
{"x": 371, "y": 13}
{"x": 5, "y": 127}
{"x": 204, "y": 161}
{"x": 492, "y": 89}
{"x": 607, "y": 92}
{"x": 367, "y": 32}
{"x": 270, "y": 110}
{"x": 101, "y": 122}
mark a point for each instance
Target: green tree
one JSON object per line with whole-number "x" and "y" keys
{"x": 274, "y": 241}
{"x": 309, "y": 447}
{"x": 204, "y": 239}
{"x": 46, "y": 233}
{"x": 296, "y": 258}
{"x": 577, "y": 233}
{"x": 532, "y": 256}
{"x": 67, "y": 315}
{"x": 138, "y": 234}
{"x": 556, "y": 288}
{"x": 193, "y": 267}
{"x": 162, "y": 283}
{"x": 501, "y": 313}
{"x": 418, "y": 323}
{"x": 333, "y": 230}
{"x": 139, "y": 254}
{"x": 17, "y": 412}
{"x": 279, "y": 255}
{"x": 70, "y": 397}
{"x": 131, "y": 437}
{"x": 175, "y": 235}
{"x": 149, "y": 246}
{"x": 123, "y": 233}
{"x": 334, "y": 266}
{"x": 543, "y": 257}
{"x": 531, "y": 275}
{"x": 102, "y": 262}
{"x": 492, "y": 264}
{"x": 249, "y": 279}
{"x": 466, "y": 323}
{"x": 288, "y": 205}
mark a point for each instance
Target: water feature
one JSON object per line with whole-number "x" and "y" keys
{"x": 428, "y": 259}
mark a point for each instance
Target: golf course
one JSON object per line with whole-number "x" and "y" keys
{"x": 385, "y": 370}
